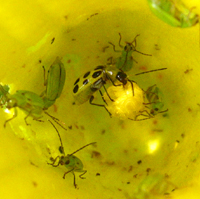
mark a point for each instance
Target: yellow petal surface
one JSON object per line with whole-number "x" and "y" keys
{"x": 155, "y": 158}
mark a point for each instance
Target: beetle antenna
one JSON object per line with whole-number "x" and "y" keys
{"x": 82, "y": 148}
{"x": 58, "y": 136}
{"x": 55, "y": 120}
{"x": 151, "y": 71}
{"x": 163, "y": 111}
{"x": 120, "y": 38}
{"x": 45, "y": 82}
{"x": 134, "y": 40}
{"x": 142, "y": 53}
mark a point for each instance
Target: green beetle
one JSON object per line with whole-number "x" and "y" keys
{"x": 174, "y": 13}
{"x": 125, "y": 61}
{"x": 31, "y": 103}
{"x": 70, "y": 161}
{"x": 154, "y": 96}
{"x": 54, "y": 83}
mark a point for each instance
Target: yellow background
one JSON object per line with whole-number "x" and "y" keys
{"x": 169, "y": 146}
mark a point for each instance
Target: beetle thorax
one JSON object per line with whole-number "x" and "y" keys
{"x": 111, "y": 73}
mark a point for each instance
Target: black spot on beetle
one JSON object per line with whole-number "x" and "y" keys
{"x": 67, "y": 162}
{"x": 86, "y": 74}
{"x": 94, "y": 89}
{"x": 98, "y": 83}
{"x": 77, "y": 81}
{"x": 99, "y": 67}
{"x": 85, "y": 81}
{"x": 75, "y": 90}
{"x": 96, "y": 74}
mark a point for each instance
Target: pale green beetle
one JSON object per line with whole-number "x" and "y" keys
{"x": 70, "y": 161}
{"x": 125, "y": 61}
{"x": 174, "y": 13}
{"x": 154, "y": 96}
{"x": 31, "y": 103}
{"x": 154, "y": 185}
{"x": 54, "y": 83}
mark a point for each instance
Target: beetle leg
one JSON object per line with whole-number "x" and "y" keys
{"x": 106, "y": 93}
{"x": 92, "y": 98}
{"x": 80, "y": 176}
{"x": 56, "y": 120}
{"x": 15, "y": 115}
{"x": 68, "y": 172}
{"x": 53, "y": 164}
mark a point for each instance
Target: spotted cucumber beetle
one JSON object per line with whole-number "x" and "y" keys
{"x": 70, "y": 161}
{"x": 125, "y": 61}
{"x": 154, "y": 96}
{"x": 29, "y": 102}
{"x": 173, "y": 13}
{"x": 54, "y": 83}
{"x": 92, "y": 81}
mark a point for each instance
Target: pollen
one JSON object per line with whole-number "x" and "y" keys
{"x": 128, "y": 101}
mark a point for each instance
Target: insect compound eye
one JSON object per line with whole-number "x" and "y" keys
{"x": 99, "y": 67}
{"x": 67, "y": 162}
{"x": 75, "y": 90}
{"x": 97, "y": 74}
{"x": 61, "y": 149}
{"x": 62, "y": 160}
{"x": 128, "y": 47}
{"x": 86, "y": 74}
{"x": 122, "y": 77}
